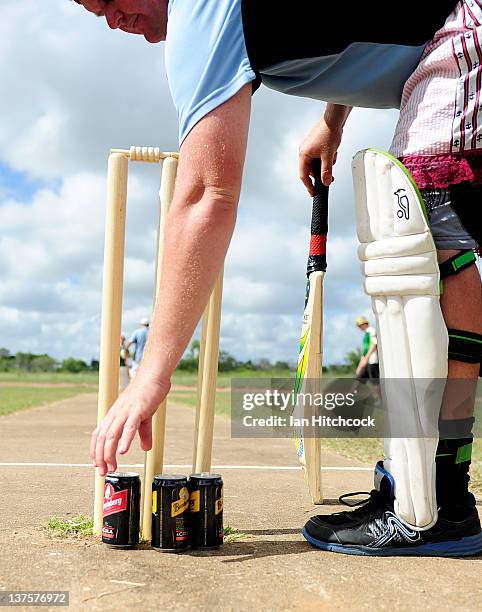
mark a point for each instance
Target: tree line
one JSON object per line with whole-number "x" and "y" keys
{"x": 228, "y": 363}
{"x": 31, "y": 362}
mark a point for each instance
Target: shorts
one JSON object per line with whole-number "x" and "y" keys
{"x": 370, "y": 372}
{"x": 447, "y": 229}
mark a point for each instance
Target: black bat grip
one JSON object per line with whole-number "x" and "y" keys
{"x": 319, "y": 222}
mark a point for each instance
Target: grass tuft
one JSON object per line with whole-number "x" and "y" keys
{"x": 78, "y": 526}
{"x": 232, "y": 535}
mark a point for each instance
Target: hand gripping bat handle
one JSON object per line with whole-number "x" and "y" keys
{"x": 319, "y": 223}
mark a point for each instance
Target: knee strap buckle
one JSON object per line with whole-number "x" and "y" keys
{"x": 457, "y": 263}
{"x": 465, "y": 346}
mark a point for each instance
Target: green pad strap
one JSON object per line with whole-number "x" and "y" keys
{"x": 457, "y": 263}
{"x": 465, "y": 346}
{"x": 464, "y": 453}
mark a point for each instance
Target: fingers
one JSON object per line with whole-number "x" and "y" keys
{"x": 102, "y": 439}
{"x": 132, "y": 411}
{"x": 305, "y": 172}
{"x": 112, "y": 440}
{"x": 128, "y": 433}
{"x": 99, "y": 455}
{"x": 93, "y": 442}
{"x": 99, "y": 448}
{"x": 327, "y": 162}
{"x": 115, "y": 433}
{"x": 97, "y": 443}
{"x": 145, "y": 434}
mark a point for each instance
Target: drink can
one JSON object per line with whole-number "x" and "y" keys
{"x": 170, "y": 513}
{"x": 122, "y": 506}
{"x": 206, "y": 510}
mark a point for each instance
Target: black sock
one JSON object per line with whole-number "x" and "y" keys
{"x": 453, "y": 460}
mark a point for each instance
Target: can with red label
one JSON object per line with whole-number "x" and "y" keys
{"x": 170, "y": 513}
{"x": 206, "y": 510}
{"x": 122, "y": 507}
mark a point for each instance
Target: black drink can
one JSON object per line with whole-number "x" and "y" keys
{"x": 206, "y": 510}
{"x": 170, "y": 513}
{"x": 122, "y": 508}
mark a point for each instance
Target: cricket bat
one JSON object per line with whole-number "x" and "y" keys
{"x": 309, "y": 370}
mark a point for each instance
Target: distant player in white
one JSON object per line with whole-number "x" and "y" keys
{"x": 138, "y": 340}
{"x": 368, "y": 366}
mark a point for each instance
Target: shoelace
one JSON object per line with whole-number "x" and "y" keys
{"x": 363, "y": 505}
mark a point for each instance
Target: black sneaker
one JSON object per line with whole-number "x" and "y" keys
{"x": 374, "y": 529}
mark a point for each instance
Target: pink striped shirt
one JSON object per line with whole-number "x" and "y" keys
{"x": 439, "y": 133}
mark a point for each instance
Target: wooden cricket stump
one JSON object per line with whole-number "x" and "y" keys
{"x": 114, "y": 252}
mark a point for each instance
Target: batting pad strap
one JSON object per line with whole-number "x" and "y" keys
{"x": 464, "y": 453}
{"x": 457, "y": 263}
{"x": 465, "y": 346}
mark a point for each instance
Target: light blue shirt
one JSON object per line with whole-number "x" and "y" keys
{"x": 139, "y": 337}
{"x": 206, "y": 58}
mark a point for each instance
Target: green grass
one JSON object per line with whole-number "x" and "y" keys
{"x": 13, "y": 399}
{"x": 92, "y": 378}
{"x": 82, "y": 378}
{"x": 77, "y": 526}
{"x": 188, "y": 398}
{"x": 82, "y": 526}
{"x": 224, "y": 378}
{"x": 232, "y": 535}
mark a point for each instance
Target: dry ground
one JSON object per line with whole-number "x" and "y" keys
{"x": 271, "y": 568}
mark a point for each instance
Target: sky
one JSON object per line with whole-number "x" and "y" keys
{"x": 71, "y": 89}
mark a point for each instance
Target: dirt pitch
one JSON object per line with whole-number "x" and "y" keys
{"x": 270, "y": 568}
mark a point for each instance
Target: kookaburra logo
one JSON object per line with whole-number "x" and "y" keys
{"x": 403, "y": 202}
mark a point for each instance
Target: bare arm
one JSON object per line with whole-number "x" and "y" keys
{"x": 322, "y": 142}
{"x": 199, "y": 227}
{"x": 198, "y": 230}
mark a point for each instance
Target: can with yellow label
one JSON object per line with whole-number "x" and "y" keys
{"x": 206, "y": 510}
{"x": 170, "y": 513}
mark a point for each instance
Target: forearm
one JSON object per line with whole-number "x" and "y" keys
{"x": 196, "y": 240}
{"x": 336, "y": 115}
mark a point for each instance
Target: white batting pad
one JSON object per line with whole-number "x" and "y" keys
{"x": 401, "y": 274}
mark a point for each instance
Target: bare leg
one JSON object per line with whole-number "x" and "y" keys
{"x": 461, "y": 303}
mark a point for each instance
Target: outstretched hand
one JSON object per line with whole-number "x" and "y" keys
{"x": 132, "y": 412}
